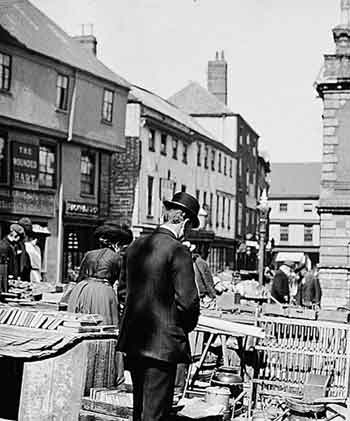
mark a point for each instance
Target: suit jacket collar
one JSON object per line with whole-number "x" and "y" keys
{"x": 166, "y": 231}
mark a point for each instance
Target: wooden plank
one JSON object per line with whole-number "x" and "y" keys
{"x": 93, "y": 416}
{"x": 54, "y": 386}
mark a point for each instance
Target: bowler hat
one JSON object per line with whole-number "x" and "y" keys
{"x": 187, "y": 203}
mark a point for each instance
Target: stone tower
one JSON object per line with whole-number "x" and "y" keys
{"x": 217, "y": 77}
{"x": 333, "y": 86}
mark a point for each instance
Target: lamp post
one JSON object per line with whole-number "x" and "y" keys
{"x": 264, "y": 210}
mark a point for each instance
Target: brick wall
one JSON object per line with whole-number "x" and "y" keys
{"x": 124, "y": 175}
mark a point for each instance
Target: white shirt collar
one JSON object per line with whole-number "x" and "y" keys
{"x": 169, "y": 229}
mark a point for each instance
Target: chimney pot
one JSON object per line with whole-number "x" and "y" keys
{"x": 217, "y": 55}
{"x": 222, "y": 55}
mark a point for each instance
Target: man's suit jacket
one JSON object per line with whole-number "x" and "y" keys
{"x": 162, "y": 304}
{"x": 280, "y": 287}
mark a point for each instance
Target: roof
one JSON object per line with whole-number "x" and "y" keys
{"x": 295, "y": 179}
{"x": 164, "y": 107}
{"x": 35, "y": 31}
{"x": 196, "y": 100}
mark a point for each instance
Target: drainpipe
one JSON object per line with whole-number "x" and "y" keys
{"x": 59, "y": 263}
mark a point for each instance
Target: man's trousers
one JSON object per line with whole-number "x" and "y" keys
{"x": 153, "y": 388}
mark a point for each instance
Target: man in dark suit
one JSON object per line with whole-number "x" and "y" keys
{"x": 280, "y": 283}
{"x": 162, "y": 307}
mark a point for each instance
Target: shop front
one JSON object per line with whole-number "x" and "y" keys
{"x": 80, "y": 222}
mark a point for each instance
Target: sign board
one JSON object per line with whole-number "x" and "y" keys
{"x": 25, "y": 165}
{"x": 81, "y": 209}
{"x": 28, "y": 203}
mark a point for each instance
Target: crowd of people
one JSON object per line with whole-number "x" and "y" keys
{"x": 21, "y": 253}
{"x": 295, "y": 283}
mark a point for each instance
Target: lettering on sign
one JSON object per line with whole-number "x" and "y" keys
{"x": 25, "y": 165}
{"x": 28, "y": 203}
{"x": 86, "y": 209}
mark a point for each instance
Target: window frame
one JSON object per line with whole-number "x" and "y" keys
{"x": 107, "y": 112}
{"x": 206, "y": 156}
{"x": 53, "y": 148}
{"x": 150, "y": 190}
{"x": 163, "y": 144}
{"x": 152, "y": 140}
{"x": 62, "y": 104}
{"x": 284, "y": 236}
{"x": 283, "y": 207}
{"x": 184, "y": 153}
{"x": 3, "y": 67}
{"x": 219, "y": 162}
{"x": 213, "y": 157}
{"x": 175, "y": 147}
{"x": 199, "y": 154}
{"x": 89, "y": 153}
{"x": 308, "y": 233}
{"x": 231, "y": 168}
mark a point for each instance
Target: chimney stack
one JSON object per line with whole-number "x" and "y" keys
{"x": 217, "y": 77}
{"x": 87, "y": 38}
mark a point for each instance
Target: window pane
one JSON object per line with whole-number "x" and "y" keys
{"x": 107, "y": 107}
{"x": 87, "y": 171}
{"x": 47, "y": 166}
{"x": 5, "y": 71}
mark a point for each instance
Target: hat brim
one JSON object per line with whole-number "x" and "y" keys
{"x": 193, "y": 217}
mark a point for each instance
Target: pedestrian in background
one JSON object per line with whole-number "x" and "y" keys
{"x": 23, "y": 256}
{"x": 280, "y": 283}
{"x": 162, "y": 307}
{"x": 309, "y": 292}
{"x": 94, "y": 293}
{"x": 9, "y": 249}
{"x": 34, "y": 253}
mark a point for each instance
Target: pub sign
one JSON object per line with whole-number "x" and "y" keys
{"x": 25, "y": 165}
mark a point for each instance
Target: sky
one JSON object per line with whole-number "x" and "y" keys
{"x": 274, "y": 50}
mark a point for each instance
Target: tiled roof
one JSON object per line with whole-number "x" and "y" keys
{"x": 295, "y": 179}
{"x": 164, "y": 107}
{"x": 29, "y": 26}
{"x": 196, "y": 100}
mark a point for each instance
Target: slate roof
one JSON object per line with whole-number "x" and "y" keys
{"x": 33, "y": 29}
{"x": 196, "y": 100}
{"x": 295, "y": 179}
{"x": 164, "y": 107}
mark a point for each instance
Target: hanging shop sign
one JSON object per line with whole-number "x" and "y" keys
{"x": 81, "y": 209}
{"x": 25, "y": 165}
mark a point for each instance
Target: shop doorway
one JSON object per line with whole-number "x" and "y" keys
{"x": 77, "y": 241}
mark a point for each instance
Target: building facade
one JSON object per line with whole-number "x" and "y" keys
{"x": 333, "y": 86}
{"x": 168, "y": 151}
{"x": 209, "y": 108}
{"x": 62, "y": 115}
{"x": 294, "y": 224}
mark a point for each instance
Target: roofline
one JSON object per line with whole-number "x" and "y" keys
{"x": 226, "y": 114}
{"x": 313, "y": 196}
{"x": 23, "y": 46}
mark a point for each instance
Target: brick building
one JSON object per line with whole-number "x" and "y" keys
{"x": 333, "y": 86}
{"x": 62, "y": 115}
{"x": 294, "y": 224}
{"x": 168, "y": 151}
{"x": 210, "y": 110}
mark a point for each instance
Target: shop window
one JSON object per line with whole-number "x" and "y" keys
{"x": 283, "y": 207}
{"x": 184, "y": 152}
{"x": 206, "y": 156}
{"x": 175, "y": 147}
{"x": 47, "y": 166}
{"x": 107, "y": 106}
{"x": 284, "y": 233}
{"x": 199, "y": 154}
{"x": 152, "y": 140}
{"x": 308, "y": 233}
{"x": 5, "y": 72}
{"x": 87, "y": 172}
{"x": 62, "y": 92}
{"x": 163, "y": 139}
{"x": 3, "y": 158}
{"x": 150, "y": 182}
